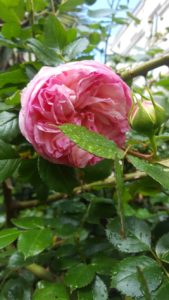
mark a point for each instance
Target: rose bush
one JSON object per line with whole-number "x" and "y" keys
{"x": 85, "y": 93}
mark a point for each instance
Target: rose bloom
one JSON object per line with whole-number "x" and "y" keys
{"x": 85, "y": 93}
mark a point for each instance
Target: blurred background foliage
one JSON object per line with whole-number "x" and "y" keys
{"x": 61, "y": 227}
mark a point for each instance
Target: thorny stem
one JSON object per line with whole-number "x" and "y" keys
{"x": 143, "y": 68}
{"x": 118, "y": 167}
{"x": 162, "y": 137}
{"x": 153, "y": 145}
{"x": 140, "y": 155}
{"x": 53, "y": 6}
{"x": 107, "y": 183}
{"x": 8, "y": 200}
{"x": 32, "y": 16}
{"x": 143, "y": 284}
{"x": 87, "y": 213}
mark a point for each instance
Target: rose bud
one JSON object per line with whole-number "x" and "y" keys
{"x": 160, "y": 115}
{"x": 85, "y": 93}
{"x": 146, "y": 117}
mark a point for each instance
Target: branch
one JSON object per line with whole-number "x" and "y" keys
{"x": 145, "y": 67}
{"x": 32, "y": 203}
{"x": 40, "y": 272}
{"x": 108, "y": 182}
{"x": 8, "y": 200}
{"x": 52, "y": 6}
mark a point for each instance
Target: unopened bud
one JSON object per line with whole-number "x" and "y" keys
{"x": 146, "y": 117}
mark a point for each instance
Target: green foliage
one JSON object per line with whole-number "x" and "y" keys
{"x": 162, "y": 248}
{"x": 157, "y": 172}
{"x": 76, "y": 47}
{"x": 43, "y": 53}
{"x": 59, "y": 178}
{"x": 54, "y": 33}
{"x": 8, "y": 167}
{"x": 34, "y": 241}
{"x": 16, "y": 289}
{"x": 7, "y": 151}
{"x": 50, "y": 291}
{"x": 100, "y": 290}
{"x": 162, "y": 292}
{"x": 79, "y": 276}
{"x": 91, "y": 141}
{"x": 13, "y": 77}
{"x": 125, "y": 276}
{"x": 98, "y": 233}
{"x": 7, "y": 236}
{"x": 8, "y": 126}
{"x": 137, "y": 235}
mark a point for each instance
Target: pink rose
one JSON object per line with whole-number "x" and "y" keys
{"x": 86, "y": 93}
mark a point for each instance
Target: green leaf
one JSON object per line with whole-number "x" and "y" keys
{"x": 99, "y": 290}
{"x": 4, "y": 106}
{"x": 8, "y": 14}
{"x": 11, "y": 30}
{"x": 76, "y": 47}
{"x": 90, "y": 141}
{"x": 122, "y": 21}
{"x": 14, "y": 99}
{"x": 137, "y": 235}
{"x": 158, "y": 173}
{"x": 71, "y": 207}
{"x": 103, "y": 264}
{"x": 40, "y": 5}
{"x": 131, "y": 16}
{"x": 7, "y": 90}
{"x": 163, "y": 292}
{"x": 51, "y": 291}
{"x": 10, "y": 3}
{"x": 118, "y": 169}
{"x": 162, "y": 248}
{"x": 43, "y": 53}
{"x": 16, "y": 260}
{"x": 8, "y": 126}
{"x": 7, "y": 151}
{"x": 70, "y": 5}
{"x": 7, "y": 236}
{"x": 7, "y": 43}
{"x": 54, "y": 33}
{"x": 100, "y": 13}
{"x": 34, "y": 241}
{"x": 85, "y": 294}
{"x": 13, "y": 77}
{"x": 94, "y": 38}
{"x": 100, "y": 171}
{"x": 164, "y": 82}
{"x": 90, "y": 2}
{"x": 16, "y": 289}
{"x": 8, "y": 167}
{"x": 71, "y": 35}
{"x": 79, "y": 276}
{"x": 20, "y": 9}
{"x": 125, "y": 277}
{"x": 59, "y": 178}
{"x": 99, "y": 211}
{"x": 28, "y": 173}
{"x": 29, "y": 222}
